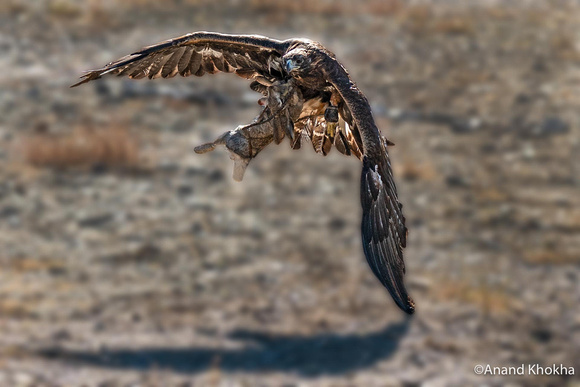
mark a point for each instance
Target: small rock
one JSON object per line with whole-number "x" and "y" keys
{"x": 457, "y": 181}
{"x": 8, "y": 211}
{"x": 337, "y": 224}
{"x": 551, "y": 126}
{"x": 61, "y": 335}
{"x": 95, "y": 220}
{"x": 542, "y": 335}
{"x": 168, "y": 166}
{"x": 184, "y": 190}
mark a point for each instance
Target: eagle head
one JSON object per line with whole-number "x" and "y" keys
{"x": 297, "y": 62}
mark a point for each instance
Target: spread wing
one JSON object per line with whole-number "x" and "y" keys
{"x": 198, "y": 53}
{"x": 383, "y": 228}
{"x": 384, "y": 234}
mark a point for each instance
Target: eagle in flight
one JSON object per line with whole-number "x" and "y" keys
{"x": 306, "y": 94}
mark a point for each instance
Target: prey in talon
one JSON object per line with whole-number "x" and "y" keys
{"x": 307, "y": 96}
{"x": 282, "y": 107}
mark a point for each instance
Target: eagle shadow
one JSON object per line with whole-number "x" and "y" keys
{"x": 309, "y": 356}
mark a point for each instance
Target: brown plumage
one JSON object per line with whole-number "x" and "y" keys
{"x": 307, "y": 94}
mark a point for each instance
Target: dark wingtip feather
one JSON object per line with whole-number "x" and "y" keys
{"x": 91, "y": 76}
{"x": 79, "y": 83}
{"x": 400, "y": 296}
{"x": 409, "y": 306}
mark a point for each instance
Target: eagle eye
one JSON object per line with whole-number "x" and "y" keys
{"x": 299, "y": 60}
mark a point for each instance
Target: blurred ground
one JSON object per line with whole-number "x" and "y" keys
{"x": 128, "y": 260}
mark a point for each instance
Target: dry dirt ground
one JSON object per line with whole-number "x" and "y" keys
{"x": 128, "y": 260}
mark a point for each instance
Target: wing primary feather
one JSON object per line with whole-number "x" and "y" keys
{"x": 183, "y": 65}
{"x": 242, "y": 62}
{"x": 219, "y": 62}
{"x": 195, "y": 62}
{"x": 317, "y": 136}
{"x": 383, "y": 230}
{"x": 156, "y": 67}
{"x": 170, "y": 67}
{"x": 140, "y": 71}
{"x": 230, "y": 59}
{"x": 341, "y": 143}
{"x": 207, "y": 63}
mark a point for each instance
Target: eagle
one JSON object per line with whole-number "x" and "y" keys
{"x": 306, "y": 95}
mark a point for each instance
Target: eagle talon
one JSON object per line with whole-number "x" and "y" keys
{"x": 331, "y": 130}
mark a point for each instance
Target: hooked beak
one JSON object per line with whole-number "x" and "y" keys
{"x": 289, "y": 65}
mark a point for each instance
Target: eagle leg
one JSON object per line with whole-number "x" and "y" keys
{"x": 331, "y": 117}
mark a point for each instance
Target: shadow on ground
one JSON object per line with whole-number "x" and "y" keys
{"x": 324, "y": 354}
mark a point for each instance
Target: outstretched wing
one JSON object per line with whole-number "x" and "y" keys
{"x": 384, "y": 234}
{"x": 383, "y": 227}
{"x": 198, "y": 53}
